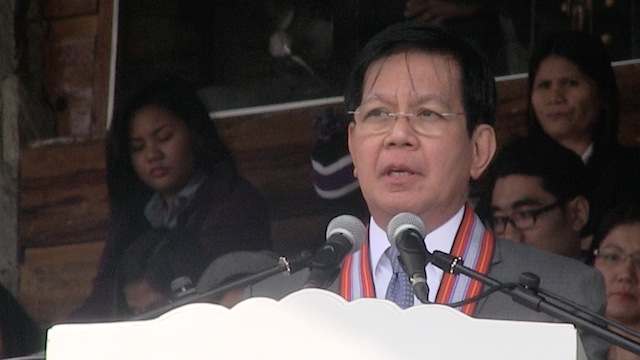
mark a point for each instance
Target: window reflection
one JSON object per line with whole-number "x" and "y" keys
{"x": 246, "y": 53}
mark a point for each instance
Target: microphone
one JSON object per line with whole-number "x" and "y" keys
{"x": 407, "y": 231}
{"x": 345, "y": 234}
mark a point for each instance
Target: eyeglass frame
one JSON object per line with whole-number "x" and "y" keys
{"x": 396, "y": 114}
{"x": 534, "y": 214}
{"x": 624, "y": 257}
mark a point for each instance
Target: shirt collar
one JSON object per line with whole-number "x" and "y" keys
{"x": 162, "y": 216}
{"x": 586, "y": 156}
{"x": 439, "y": 239}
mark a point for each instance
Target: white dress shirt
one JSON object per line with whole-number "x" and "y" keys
{"x": 439, "y": 239}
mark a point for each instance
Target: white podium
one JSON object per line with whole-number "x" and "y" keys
{"x": 313, "y": 324}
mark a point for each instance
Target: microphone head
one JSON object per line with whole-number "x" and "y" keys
{"x": 402, "y": 222}
{"x": 350, "y": 227}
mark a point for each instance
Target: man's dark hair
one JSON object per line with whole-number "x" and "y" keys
{"x": 477, "y": 82}
{"x": 561, "y": 170}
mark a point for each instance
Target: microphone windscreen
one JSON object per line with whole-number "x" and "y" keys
{"x": 233, "y": 266}
{"x": 403, "y": 222}
{"x": 349, "y": 226}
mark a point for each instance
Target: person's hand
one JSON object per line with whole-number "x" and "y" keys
{"x": 436, "y": 11}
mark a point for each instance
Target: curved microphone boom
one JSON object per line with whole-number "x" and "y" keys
{"x": 345, "y": 234}
{"x": 407, "y": 231}
{"x": 284, "y": 265}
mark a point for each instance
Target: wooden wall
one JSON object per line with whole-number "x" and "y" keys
{"x": 64, "y": 208}
{"x": 63, "y": 200}
{"x": 76, "y": 58}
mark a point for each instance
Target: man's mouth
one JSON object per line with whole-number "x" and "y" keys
{"x": 399, "y": 173}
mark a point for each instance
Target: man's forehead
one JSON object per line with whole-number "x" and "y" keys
{"x": 521, "y": 191}
{"x": 415, "y": 63}
{"x": 420, "y": 77}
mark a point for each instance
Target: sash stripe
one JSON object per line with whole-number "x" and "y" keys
{"x": 473, "y": 243}
{"x": 356, "y": 279}
{"x": 368, "y": 287}
{"x": 345, "y": 279}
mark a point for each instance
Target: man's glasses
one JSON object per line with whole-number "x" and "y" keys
{"x": 521, "y": 220}
{"x": 611, "y": 257}
{"x": 379, "y": 120}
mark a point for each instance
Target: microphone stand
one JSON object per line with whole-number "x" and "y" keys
{"x": 529, "y": 297}
{"x": 284, "y": 265}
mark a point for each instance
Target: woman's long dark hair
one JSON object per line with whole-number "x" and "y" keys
{"x": 211, "y": 155}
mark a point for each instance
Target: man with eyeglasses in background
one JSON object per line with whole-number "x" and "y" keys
{"x": 538, "y": 196}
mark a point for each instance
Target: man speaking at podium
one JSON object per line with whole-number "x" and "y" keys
{"x": 423, "y": 104}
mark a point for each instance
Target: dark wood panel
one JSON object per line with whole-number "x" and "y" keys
{"x": 70, "y": 56}
{"x": 63, "y": 196}
{"x": 55, "y": 9}
{"x": 273, "y": 151}
{"x": 628, "y": 78}
{"x": 64, "y": 208}
{"x": 512, "y": 105}
{"x": 61, "y": 158}
{"x": 55, "y": 280}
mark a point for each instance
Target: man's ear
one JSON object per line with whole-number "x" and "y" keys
{"x": 483, "y": 141}
{"x": 578, "y": 212}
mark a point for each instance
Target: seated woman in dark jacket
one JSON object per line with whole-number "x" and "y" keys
{"x": 168, "y": 168}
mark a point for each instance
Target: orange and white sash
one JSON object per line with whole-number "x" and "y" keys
{"x": 473, "y": 243}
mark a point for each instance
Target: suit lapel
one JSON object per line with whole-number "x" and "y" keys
{"x": 496, "y": 264}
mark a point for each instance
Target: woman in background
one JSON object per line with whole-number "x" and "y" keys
{"x": 616, "y": 254}
{"x": 574, "y": 99}
{"x": 167, "y": 168}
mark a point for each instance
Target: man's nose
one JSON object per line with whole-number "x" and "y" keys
{"x": 402, "y": 132}
{"x": 511, "y": 233}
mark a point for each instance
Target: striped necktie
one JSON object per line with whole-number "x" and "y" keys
{"x": 399, "y": 290}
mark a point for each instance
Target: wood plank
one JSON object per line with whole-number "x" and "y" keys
{"x": 628, "y": 78}
{"x": 63, "y": 210}
{"x": 512, "y": 109}
{"x": 55, "y": 280}
{"x": 63, "y": 195}
{"x": 56, "y": 9}
{"x": 294, "y": 127}
{"x": 73, "y": 29}
{"x": 69, "y": 73}
{"x": 60, "y": 158}
{"x": 272, "y": 150}
{"x": 64, "y": 207}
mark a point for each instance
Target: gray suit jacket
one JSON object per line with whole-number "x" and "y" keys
{"x": 566, "y": 277}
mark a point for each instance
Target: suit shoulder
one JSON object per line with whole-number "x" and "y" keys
{"x": 518, "y": 258}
